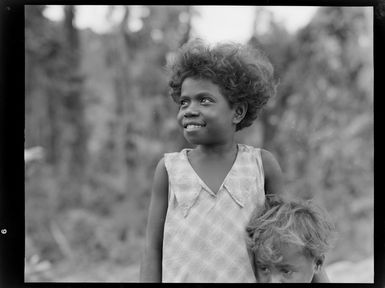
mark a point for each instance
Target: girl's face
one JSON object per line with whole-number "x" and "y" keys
{"x": 295, "y": 267}
{"x": 205, "y": 114}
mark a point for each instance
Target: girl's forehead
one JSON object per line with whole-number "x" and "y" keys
{"x": 199, "y": 84}
{"x": 280, "y": 252}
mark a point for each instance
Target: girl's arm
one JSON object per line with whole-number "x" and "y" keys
{"x": 273, "y": 174}
{"x": 151, "y": 266}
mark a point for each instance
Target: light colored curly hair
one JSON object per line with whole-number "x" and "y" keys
{"x": 301, "y": 223}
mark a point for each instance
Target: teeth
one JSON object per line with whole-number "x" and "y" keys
{"x": 193, "y": 126}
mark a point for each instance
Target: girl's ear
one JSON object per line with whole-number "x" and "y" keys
{"x": 240, "y": 112}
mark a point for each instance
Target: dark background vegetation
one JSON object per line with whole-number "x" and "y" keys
{"x": 97, "y": 105}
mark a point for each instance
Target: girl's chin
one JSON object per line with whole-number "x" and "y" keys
{"x": 194, "y": 140}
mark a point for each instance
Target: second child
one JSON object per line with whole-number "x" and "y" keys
{"x": 288, "y": 241}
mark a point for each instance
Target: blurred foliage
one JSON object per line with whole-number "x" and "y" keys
{"x": 321, "y": 122}
{"x": 98, "y": 105}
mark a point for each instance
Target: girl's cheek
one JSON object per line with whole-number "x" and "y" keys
{"x": 179, "y": 118}
{"x": 179, "y": 115}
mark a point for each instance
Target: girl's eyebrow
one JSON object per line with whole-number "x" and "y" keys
{"x": 183, "y": 97}
{"x": 261, "y": 263}
{"x": 200, "y": 94}
{"x": 285, "y": 265}
{"x": 278, "y": 265}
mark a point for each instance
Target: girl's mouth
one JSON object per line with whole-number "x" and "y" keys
{"x": 193, "y": 126}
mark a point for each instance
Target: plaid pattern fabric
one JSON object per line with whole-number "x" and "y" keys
{"x": 204, "y": 233}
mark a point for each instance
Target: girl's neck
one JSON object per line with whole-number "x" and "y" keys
{"x": 217, "y": 150}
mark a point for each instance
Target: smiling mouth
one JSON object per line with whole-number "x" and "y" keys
{"x": 190, "y": 127}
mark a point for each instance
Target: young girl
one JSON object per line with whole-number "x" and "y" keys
{"x": 288, "y": 241}
{"x": 202, "y": 198}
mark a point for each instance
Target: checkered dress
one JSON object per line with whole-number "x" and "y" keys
{"x": 204, "y": 233}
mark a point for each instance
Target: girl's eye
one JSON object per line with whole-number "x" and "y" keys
{"x": 205, "y": 100}
{"x": 264, "y": 269}
{"x": 287, "y": 272}
{"x": 183, "y": 102}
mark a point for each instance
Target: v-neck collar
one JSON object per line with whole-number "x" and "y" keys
{"x": 226, "y": 183}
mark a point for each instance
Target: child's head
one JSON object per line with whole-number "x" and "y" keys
{"x": 289, "y": 241}
{"x": 243, "y": 75}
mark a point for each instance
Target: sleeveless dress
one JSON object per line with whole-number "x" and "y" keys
{"x": 204, "y": 232}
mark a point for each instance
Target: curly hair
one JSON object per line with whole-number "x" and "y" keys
{"x": 300, "y": 223}
{"x": 243, "y": 74}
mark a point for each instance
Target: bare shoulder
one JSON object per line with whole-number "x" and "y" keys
{"x": 273, "y": 173}
{"x": 160, "y": 176}
{"x": 270, "y": 163}
{"x": 161, "y": 165}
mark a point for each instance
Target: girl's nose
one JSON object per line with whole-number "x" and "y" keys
{"x": 191, "y": 112}
{"x": 275, "y": 278}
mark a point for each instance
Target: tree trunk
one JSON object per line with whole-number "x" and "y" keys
{"x": 74, "y": 106}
